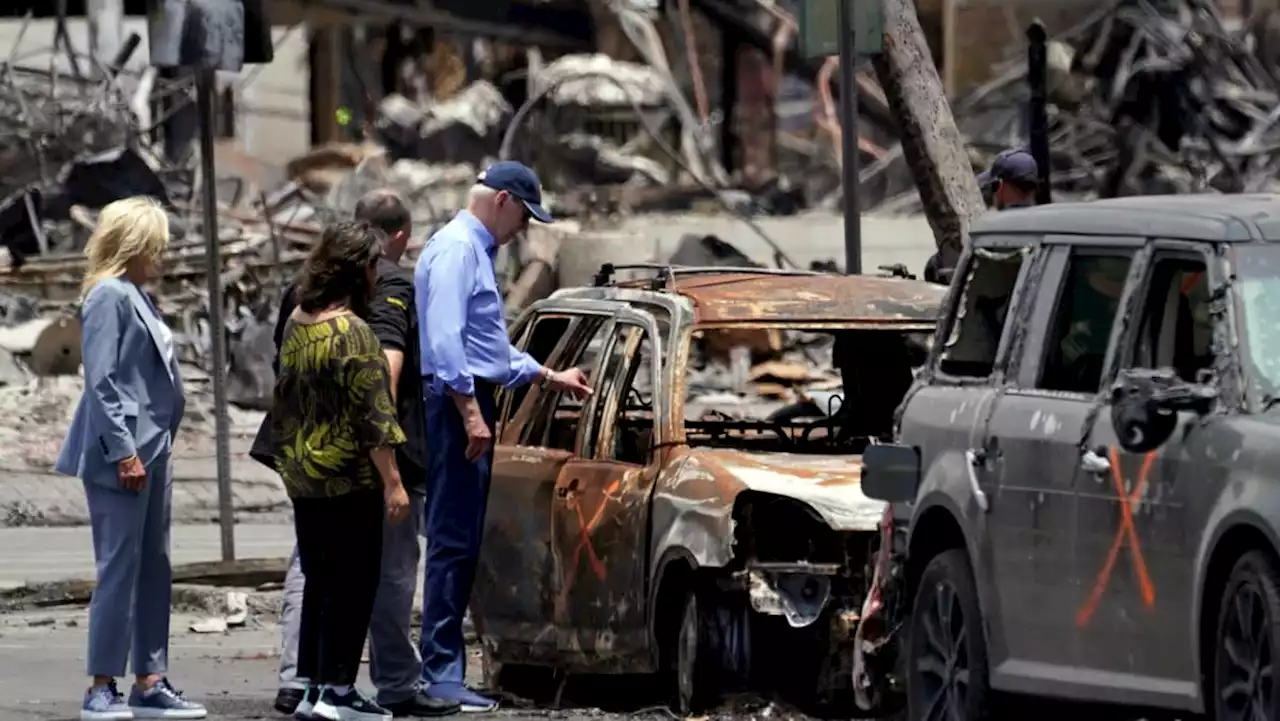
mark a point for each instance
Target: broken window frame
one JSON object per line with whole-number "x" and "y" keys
{"x": 625, "y": 337}
{"x": 1162, "y": 251}
{"x": 510, "y": 399}
{"x": 614, "y": 407}
{"x": 986, "y": 249}
{"x": 537, "y": 412}
{"x": 1033, "y": 360}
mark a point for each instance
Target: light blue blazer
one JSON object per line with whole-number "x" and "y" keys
{"x": 133, "y": 399}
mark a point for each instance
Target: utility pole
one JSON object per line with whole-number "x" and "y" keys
{"x": 849, "y": 140}
{"x": 205, "y": 86}
{"x": 203, "y": 38}
{"x": 1038, "y": 81}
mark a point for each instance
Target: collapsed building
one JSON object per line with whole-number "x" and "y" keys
{"x": 623, "y": 107}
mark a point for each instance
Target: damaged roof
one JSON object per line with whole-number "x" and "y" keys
{"x": 1207, "y": 217}
{"x": 817, "y": 298}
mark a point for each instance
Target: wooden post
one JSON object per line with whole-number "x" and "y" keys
{"x": 325, "y": 74}
{"x": 931, "y": 142}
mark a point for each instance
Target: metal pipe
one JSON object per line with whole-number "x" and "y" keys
{"x": 205, "y": 82}
{"x": 849, "y": 145}
{"x": 1037, "y": 79}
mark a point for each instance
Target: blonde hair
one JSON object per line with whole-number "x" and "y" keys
{"x": 130, "y": 228}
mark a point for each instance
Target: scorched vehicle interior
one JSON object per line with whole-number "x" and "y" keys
{"x": 648, "y": 530}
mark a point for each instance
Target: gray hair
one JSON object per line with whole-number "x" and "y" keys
{"x": 479, "y": 192}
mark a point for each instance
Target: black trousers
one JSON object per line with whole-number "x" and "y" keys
{"x": 340, "y": 549}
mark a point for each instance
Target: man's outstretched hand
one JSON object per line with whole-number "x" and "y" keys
{"x": 571, "y": 380}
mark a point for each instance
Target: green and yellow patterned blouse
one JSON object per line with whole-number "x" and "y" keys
{"x": 332, "y": 405}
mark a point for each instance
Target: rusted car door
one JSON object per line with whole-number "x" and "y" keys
{"x": 1038, "y": 424}
{"x": 1143, "y": 517}
{"x": 600, "y": 511}
{"x": 512, "y": 598}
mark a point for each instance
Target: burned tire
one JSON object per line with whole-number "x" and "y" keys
{"x": 696, "y": 682}
{"x": 1247, "y": 642}
{"x": 946, "y": 664}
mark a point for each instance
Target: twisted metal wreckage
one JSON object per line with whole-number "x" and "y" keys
{"x": 74, "y": 141}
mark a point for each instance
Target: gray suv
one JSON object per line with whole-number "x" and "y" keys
{"x": 1085, "y": 487}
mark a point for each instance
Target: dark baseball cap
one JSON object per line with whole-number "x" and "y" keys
{"x": 520, "y": 181}
{"x": 1014, "y": 165}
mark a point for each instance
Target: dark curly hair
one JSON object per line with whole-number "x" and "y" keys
{"x": 336, "y": 269}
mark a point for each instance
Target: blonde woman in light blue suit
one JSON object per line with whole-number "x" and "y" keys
{"x": 120, "y": 444}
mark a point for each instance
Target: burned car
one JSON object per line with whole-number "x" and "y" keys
{"x": 654, "y": 528}
{"x": 1086, "y": 479}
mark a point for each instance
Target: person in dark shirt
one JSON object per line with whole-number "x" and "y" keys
{"x": 1009, "y": 183}
{"x": 394, "y": 661}
{"x": 333, "y": 436}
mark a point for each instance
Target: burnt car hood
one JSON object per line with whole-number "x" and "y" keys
{"x": 830, "y": 485}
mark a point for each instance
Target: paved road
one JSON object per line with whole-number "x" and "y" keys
{"x": 41, "y": 673}
{"x": 46, "y": 554}
{"x": 42, "y": 652}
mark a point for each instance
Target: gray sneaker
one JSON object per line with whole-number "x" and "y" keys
{"x": 165, "y": 702}
{"x": 104, "y": 703}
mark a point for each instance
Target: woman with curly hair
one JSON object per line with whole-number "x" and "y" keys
{"x": 335, "y": 432}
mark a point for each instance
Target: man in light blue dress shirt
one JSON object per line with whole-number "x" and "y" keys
{"x": 466, "y": 357}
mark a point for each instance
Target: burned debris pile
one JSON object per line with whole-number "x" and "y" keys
{"x": 1146, "y": 98}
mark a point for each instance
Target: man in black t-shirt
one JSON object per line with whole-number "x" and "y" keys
{"x": 395, "y": 665}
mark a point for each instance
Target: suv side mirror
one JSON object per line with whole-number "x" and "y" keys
{"x": 1145, "y": 405}
{"x": 890, "y": 472}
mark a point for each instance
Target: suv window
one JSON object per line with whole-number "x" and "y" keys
{"x": 1175, "y": 330}
{"x": 554, "y": 423}
{"x": 1089, "y": 298}
{"x": 974, "y": 336}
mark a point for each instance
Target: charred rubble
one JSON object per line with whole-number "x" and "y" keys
{"x": 1144, "y": 97}
{"x": 1147, "y": 97}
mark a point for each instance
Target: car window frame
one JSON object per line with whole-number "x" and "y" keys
{"x": 522, "y": 334}
{"x": 608, "y": 407}
{"x": 543, "y": 399}
{"x": 1154, "y": 252}
{"x": 1024, "y": 376}
{"x": 648, "y": 325}
{"x": 957, "y": 294}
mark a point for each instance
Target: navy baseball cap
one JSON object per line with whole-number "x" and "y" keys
{"x": 1013, "y": 165}
{"x": 520, "y": 181}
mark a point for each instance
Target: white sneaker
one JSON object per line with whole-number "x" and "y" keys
{"x": 306, "y": 707}
{"x": 352, "y": 706}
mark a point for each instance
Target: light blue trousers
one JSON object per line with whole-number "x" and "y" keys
{"x": 131, "y": 604}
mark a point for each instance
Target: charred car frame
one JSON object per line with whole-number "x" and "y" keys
{"x": 636, "y": 532}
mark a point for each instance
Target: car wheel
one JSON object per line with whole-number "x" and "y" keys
{"x": 947, "y": 650}
{"x": 695, "y": 683}
{"x": 1248, "y": 639}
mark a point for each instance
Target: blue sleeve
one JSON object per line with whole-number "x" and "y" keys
{"x": 444, "y": 296}
{"x": 523, "y": 368}
{"x": 102, "y": 322}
